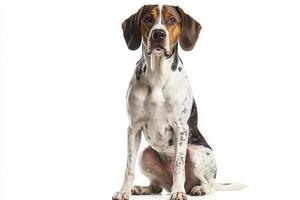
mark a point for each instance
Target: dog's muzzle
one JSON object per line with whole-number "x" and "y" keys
{"x": 158, "y": 42}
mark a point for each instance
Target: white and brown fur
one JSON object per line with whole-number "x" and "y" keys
{"x": 160, "y": 105}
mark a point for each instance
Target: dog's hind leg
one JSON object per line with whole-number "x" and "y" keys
{"x": 153, "y": 188}
{"x": 153, "y": 168}
{"x": 204, "y": 169}
{"x": 202, "y": 189}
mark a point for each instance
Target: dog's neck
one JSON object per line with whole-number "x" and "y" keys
{"x": 158, "y": 71}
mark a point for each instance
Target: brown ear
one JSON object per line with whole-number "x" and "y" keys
{"x": 190, "y": 30}
{"x": 131, "y": 30}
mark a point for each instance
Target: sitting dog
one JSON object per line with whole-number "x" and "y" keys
{"x": 160, "y": 104}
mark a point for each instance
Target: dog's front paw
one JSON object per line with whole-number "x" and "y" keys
{"x": 178, "y": 196}
{"x": 121, "y": 196}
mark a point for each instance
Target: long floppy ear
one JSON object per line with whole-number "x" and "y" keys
{"x": 190, "y": 30}
{"x": 131, "y": 30}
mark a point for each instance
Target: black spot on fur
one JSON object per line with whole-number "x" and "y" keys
{"x": 168, "y": 129}
{"x": 180, "y": 69}
{"x": 148, "y": 137}
{"x": 180, "y": 60}
{"x": 215, "y": 176}
{"x": 175, "y": 60}
{"x": 226, "y": 183}
{"x": 171, "y": 142}
{"x": 140, "y": 68}
{"x": 195, "y": 136}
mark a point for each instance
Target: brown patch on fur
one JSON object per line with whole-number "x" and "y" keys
{"x": 149, "y": 10}
{"x": 174, "y": 27}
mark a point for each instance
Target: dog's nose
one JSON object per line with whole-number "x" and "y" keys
{"x": 158, "y": 34}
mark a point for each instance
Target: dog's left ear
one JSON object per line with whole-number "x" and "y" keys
{"x": 190, "y": 30}
{"x": 131, "y": 30}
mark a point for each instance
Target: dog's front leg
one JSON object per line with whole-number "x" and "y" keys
{"x": 134, "y": 139}
{"x": 181, "y": 138}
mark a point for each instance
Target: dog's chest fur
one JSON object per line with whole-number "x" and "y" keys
{"x": 156, "y": 98}
{"x": 157, "y": 127}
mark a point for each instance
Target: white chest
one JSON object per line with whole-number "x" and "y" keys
{"x": 157, "y": 126}
{"x": 157, "y": 117}
{"x": 154, "y": 103}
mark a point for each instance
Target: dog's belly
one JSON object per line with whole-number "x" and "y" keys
{"x": 159, "y": 135}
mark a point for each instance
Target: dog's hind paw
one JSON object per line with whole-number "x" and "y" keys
{"x": 197, "y": 191}
{"x": 144, "y": 190}
{"x": 121, "y": 196}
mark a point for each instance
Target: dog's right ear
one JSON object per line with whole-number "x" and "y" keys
{"x": 131, "y": 30}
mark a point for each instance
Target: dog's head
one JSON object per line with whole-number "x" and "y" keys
{"x": 160, "y": 28}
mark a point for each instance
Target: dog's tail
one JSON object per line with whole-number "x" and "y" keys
{"x": 228, "y": 186}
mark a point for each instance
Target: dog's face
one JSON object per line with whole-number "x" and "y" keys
{"x": 160, "y": 28}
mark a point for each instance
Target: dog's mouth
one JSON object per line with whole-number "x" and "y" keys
{"x": 158, "y": 50}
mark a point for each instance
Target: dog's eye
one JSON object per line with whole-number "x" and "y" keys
{"x": 148, "y": 19}
{"x": 172, "y": 20}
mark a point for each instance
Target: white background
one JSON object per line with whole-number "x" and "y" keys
{"x": 65, "y": 70}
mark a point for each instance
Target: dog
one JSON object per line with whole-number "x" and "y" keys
{"x": 160, "y": 105}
